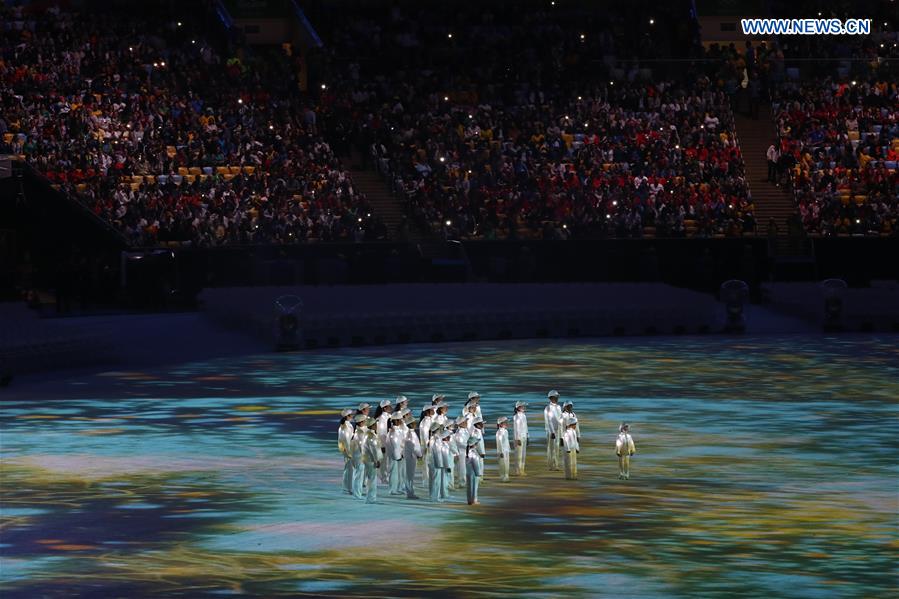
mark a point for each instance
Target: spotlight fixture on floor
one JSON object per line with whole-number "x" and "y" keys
{"x": 734, "y": 294}
{"x": 833, "y": 290}
{"x": 287, "y": 317}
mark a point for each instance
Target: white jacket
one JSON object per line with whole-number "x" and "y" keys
{"x": 424, "y": 430}
{"x": 569, "y": 439}
{"x": 412, "y": 446}
{"x": 625, "y": 444}
{"x": 371, "y": 451}
{"x": 552, "y": 418}
{"x": 502, "y": 441}
{"x": 520, "y": 426}
{"x": 395, "y": 441}
{"x": 438, "y": 455}
{"x": 358, "y": 444}
{"x": 345, "y": 439}
{"x": 566, "y": 417}
{"x": 382, "y": 428}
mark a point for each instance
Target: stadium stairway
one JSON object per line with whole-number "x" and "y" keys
{"x": 387, "y": 205}
{"x": 770, "y": 201}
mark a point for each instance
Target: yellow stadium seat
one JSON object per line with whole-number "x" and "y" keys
{"x": 195, "y": 170}
{"x": 853, "y": 136}
{"x": 137, "y": 179}
{"x": 228, "y": 177}
{"x": 222, "y": 170}
{"x": 190, "y": 178}
{"x": 249, "y": 169}
{"x": 235, "y": 170}
{"x": 182, "y": 170}
{"x": 170, "y": 151}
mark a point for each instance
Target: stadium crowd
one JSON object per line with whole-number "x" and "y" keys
{"x": 840, "y": 144}
{"x": 166, "y": 137}
{"x": 512, "y": 127}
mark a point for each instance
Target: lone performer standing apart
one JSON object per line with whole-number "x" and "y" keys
{"x": 624, "y": 448}
{"x": 552, "y": 420}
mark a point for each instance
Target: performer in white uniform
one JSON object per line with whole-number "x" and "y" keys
{"x": 371, "y": 457}
{"x": 624, "y": 449}
{"x": 552, "y": 415}
{"x": 344, "y": 441}
{"x": 520, "y": 436}
{"x": 434, "y": 462}
{"x": 567, "y": 415}
{"x": 445, "y": 437}
{"x": 461, "y": 440}
{"x": 502, "y": 448}
{"x": 474, "y": 398}
{"x": 411, "y": 454}
{"x": 474, "y": 464}
{"x": 424, "y": 436}
{"x": 395, "y": 441}
{"x": 358, "y": 445}
{"x": 400, "y": 415}
{"x": 572, "y": 448}
{"x": 382, "y": 415}
{"x": 441, "y": 408}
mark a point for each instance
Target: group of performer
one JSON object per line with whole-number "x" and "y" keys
{"x": 386, "y": 447}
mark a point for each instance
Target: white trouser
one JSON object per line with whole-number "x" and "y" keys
{"x": 425, "y": 466}
{"x": 474, "y": 481}
{"x": 409, "y": 477}
{"x": 520, "y": 456}
{"x": 570, "y": 464}
{"x": 624, "y": 466}
{"x": 552, "y": 452}
{"x": 347, "y": 474}
{"x": 433, "y": 489}
{"x": 460, "y": 469}
{"x": 358, "y": 478}
{"x": 503, "y": 464}
{"x": 371, "y": 476}
{"x": 394, "y": 481}
{"x": 382, "y": 471}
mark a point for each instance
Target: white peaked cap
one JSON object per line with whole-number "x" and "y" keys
{"x": 401, "y": 398}
{"x": 567, "y": 403}
{"x": 426, "y": 408}
{"x": 437, "y": 396}
{"x": 552, "y": 393}
{"x": 362, "y": 406}
{"x": 502, "y": 419}
{"x": 370, "y": 421}
{"x": 473, "y": 395}
{"x": 446, "y": 433}
{"x": 384, "y": 403}
{"x": 521, "y": 404}
{"x": 436, "y": 426}
{"x": 461, "y": 420}
{"x": 360, "y": 418}
{"x": 572, "y": 421}
{"x": 346, "y": 412}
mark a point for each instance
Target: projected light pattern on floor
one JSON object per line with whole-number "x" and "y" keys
{"x": 764, "y": 466}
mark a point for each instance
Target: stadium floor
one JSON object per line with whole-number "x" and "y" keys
{"x": 765, "y": 466}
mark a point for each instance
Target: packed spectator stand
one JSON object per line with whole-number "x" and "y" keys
{"x": 169, "y": 139}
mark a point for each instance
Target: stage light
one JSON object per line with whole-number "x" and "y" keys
{"x": 193, "y": 41}
{"x": 442, "y": 159}
{"x": 155, "y": 64}
{"x": 677, "y": 147}
{"x": 583, "y": 36}
{"x": 449, "y": 35}
{"x": 179, "y": 23}
{"x": 271, "y": 127}
{"x": 578, "y": 97}
{"x": 448, "y": 223}
{"x": 614, "y": 202}
{"x": 324, "y": 86}
{"x": 162, "y": 64}
{"x": 130, "y": 48}
{"x": 611, "y": 83}
{"x": 360, "y": 219}
{"x": 734, "y": 294}
{"x": 240, "y": 100}
{"x": 471, "y": 116}
{"x": 608, "y": 216}
{"x": 853, "y": 83}
{"x": 833, "y": 303}
{"x": 446, "y": 98}
{"x": 652, "y": 21}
